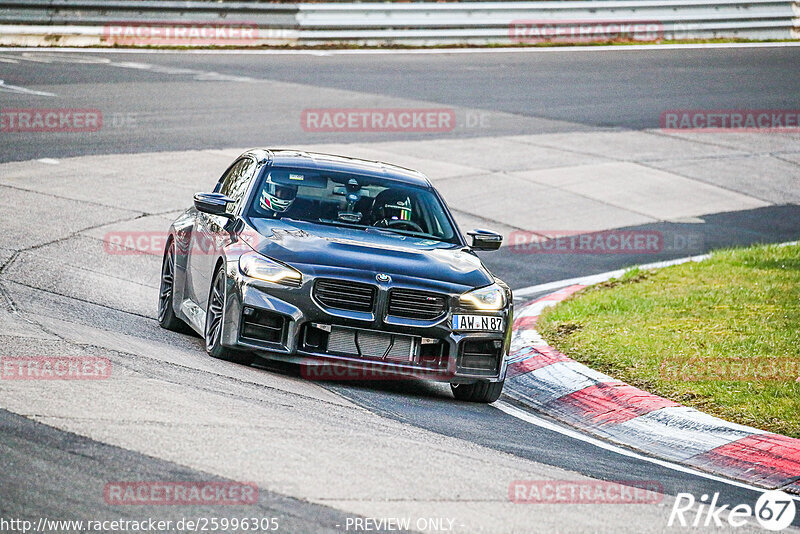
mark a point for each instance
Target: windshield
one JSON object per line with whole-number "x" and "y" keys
{"x": 351, "y": 201}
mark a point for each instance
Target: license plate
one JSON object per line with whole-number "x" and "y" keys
{"x": 478, "y": 322}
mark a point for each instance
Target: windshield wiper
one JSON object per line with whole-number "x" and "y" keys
{"x": 329, "y": 222}
{"x": 409, "y": 233}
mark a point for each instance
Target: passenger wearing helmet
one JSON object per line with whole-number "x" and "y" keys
{"x": 277, "y": 197}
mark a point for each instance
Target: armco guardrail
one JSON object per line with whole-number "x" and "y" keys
{"x": 151, "y": 22}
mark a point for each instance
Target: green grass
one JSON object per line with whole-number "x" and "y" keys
{"x": 722, "y": 335}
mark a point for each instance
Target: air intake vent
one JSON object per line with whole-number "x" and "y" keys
{"x": 262, "y": 325}
{"x": 369, "y": 344}
{"x": 413, "y": 304}
{"x": 480, "y": 356}
{"x": 345, "y": 295}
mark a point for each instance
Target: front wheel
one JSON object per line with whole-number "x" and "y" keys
{"x": 481, "y": 391}
{"x": 213, "y": 327}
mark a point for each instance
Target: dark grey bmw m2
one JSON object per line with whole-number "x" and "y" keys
{"x": 310, "y": 257}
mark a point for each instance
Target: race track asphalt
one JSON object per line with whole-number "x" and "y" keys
{"x": 323, "y": 453}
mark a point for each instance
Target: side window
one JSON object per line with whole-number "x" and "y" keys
{"x": 224, "y": 182}
{"x": 235, "y": 183}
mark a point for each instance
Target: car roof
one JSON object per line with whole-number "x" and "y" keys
{"x": 329, "y": 162}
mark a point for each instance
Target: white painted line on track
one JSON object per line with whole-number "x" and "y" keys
{"x": 371, "y": 51}
{"x": 543, "y": 423}
{"x": 21, "y": 90}
{"x": 601, "y": 277}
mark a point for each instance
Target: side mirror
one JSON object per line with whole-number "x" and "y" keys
{"x": 213, "y": 204}
{"x": 485, "y": 240}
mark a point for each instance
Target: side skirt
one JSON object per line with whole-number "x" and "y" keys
{"x": 194, "y": 315}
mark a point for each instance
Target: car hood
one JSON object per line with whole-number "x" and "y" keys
{"x": 307, "y": 245}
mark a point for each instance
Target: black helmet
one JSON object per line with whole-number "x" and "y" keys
{"x": 392, "y": 205}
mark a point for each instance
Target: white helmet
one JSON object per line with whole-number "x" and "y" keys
{"x": 277, "y": 197}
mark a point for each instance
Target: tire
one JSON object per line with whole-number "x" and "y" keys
{"x": 481, "y": 391}
{"x": 212, "y": 333}
{"x": 166, "y": 312}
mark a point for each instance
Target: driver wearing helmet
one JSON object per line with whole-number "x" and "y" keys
{"x": 391, "y": 205}
{"x": 277, "y": 197}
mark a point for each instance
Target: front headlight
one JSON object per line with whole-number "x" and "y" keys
{"x": 491, "y": 297}
{"x": 257, "y": 266}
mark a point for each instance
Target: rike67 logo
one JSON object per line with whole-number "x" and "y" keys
{"x": 774, "y": 510}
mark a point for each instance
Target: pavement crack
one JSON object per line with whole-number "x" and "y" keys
{"x": 70, "y": 199}
{"x": 568, "y": 150}
{"x": 600, "y": 201}
{"x": 100, "y": 273}
{"x": 182, "y": 368}
{"x": 123, "y": 246}
{"x": 689, "y": 140}
{"x": 9, "y": 261}
{"x": 792, "y": 162}
{"x": 14, "y": 309}
{"x": 726, "y": 188}
{"x": 150, "y": 422}
{"x": 63, "y": 238}
{"x": 50, "y": 291}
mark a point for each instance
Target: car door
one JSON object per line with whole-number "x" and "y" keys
{"x": 210, "y": 235}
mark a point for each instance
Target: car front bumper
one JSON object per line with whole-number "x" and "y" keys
{"x": 293, "y": 316}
